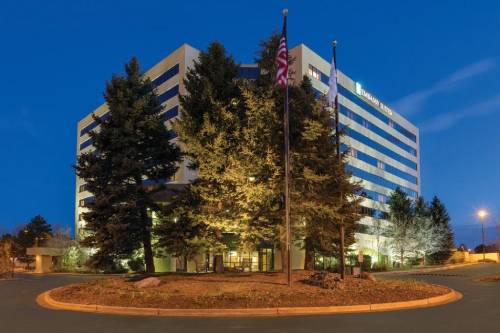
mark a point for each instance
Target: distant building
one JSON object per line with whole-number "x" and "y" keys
{"x": 383, "y": 148}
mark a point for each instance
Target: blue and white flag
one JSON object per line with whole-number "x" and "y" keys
{"x": 332, "y": 83}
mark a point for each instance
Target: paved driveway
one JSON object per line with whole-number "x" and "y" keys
{"x": 478, "y": 311}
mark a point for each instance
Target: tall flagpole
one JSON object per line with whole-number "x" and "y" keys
{"x": 337, "y": 143}
{"x": 287, "y": 172}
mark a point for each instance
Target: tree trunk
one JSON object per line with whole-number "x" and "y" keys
{"x": 218, "y": 263}
{"x": 284, "y": 257}
{"x": 148, "y": 249}
{"x": 402, "y": 258}
{"x": 309, "y": 255}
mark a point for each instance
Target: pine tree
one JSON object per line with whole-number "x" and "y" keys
{"x": 440, "y": 218}
{"x": 35, "y": 233}
{"x": 131, "y": 146}
{"x": 323, "y": 195}
{"x": 210, "y": 126}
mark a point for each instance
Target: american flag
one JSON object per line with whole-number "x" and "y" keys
{"x": 282, "y": 59}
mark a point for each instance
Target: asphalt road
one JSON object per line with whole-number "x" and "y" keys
{"x": 478, "y": 311}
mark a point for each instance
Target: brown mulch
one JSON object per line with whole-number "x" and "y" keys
{"x": 240, "y": 290}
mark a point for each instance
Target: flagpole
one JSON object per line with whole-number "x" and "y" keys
{"x": 287, "y": 173}
{"x": 337, "y": 143}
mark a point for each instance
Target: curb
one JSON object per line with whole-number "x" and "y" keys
{"x": 46, "y": 301}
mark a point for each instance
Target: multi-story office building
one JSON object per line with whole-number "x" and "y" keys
{"x": 383, "y": 147}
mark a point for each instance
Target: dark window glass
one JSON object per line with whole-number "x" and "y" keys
{"x": 380, "y": 148}
{"x": 93, "y": 124}
{"x": 387, "y": 167}
{"x": 169, "y": 94}
{"x": 250, "y": 73}
{"x": 85, "y": 144}
{"x": 167, "y": 75}
{"x": 377, "y": 130}
{"x": 172, "y": 113}
{"x": 379, "y": 180}
{"x": 171, "y": 134}
{"x": 361, "y": 103}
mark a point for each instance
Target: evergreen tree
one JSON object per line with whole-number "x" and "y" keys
{"x": 131, "y": 146}
{"x": 36, "y": 233}
{"x": 440, "y": 217}
{"x": 323, "y": 195}
{"x": 179, "y": 231}
{"x": 209, "y": 126}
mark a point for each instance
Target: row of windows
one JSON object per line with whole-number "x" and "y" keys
{"x": 249, "y": 72}
{"x": 85, "y": 202}
{"x": 375, "y": 213}
{"x": 171, "y": 113}
{"x": 170, "y": 73}
{"x": 169, "y": 94}
{"x": 373, "y": 195}
{"x": 82, "y": 188}
{"x": 370, "y": 109}
{"x": 377, "y": 130}
{"x": 379, "y": 147}
{"x": 320, "y": 76}
{"x": 93, "y": 124}
{"x": 86, "y": 144}
{"x": 371, "y": 230}
{"x": 380, "y": 180}
{"x": 171, "y": 134}
{"x": 378, "y": 163}
{"x": 163, "y": 97}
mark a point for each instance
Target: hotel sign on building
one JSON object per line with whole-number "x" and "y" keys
{"x": 372, "y": 99}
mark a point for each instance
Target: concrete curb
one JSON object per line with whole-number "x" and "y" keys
{"x": 46, "y": 301}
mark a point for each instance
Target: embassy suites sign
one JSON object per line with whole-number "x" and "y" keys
{"x": 372, "y": 99}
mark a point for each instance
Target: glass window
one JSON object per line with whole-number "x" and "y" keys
{"x": 85, "y": 144}
{"x": 171, "y": 72}
{"x": 172, "y": 113}
{"x": 169, "y": 94}
{"x": 377, "y": 130}
{"x": 376, "y": 179}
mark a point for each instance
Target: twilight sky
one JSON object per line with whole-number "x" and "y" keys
{"x": 436, "y": 62}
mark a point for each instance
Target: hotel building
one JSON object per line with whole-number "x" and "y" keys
{"x": 383, "y": 152}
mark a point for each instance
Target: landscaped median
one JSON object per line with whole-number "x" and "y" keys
{"x": 244, "y": 295}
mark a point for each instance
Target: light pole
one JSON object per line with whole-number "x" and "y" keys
{"x": 481, "y": 214}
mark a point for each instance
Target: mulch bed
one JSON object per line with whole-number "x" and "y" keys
{"x": 240, "y": 290}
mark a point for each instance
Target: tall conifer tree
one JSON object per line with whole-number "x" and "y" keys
{"x": 132, "y": 145}
{"x": 440, "y": 218}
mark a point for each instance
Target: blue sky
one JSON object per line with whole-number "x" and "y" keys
{"x": 437, "y": 62}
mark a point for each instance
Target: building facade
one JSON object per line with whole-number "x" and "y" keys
{"x": 383, "y": 152}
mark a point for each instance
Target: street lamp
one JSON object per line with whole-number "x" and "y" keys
{"x": 482, "y": 214}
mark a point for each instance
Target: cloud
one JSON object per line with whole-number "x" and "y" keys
{"x": 413, "y": 102}
{"x": 448, "y": 119}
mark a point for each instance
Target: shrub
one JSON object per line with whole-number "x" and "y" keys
{"x": 136, "y": 264}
